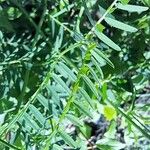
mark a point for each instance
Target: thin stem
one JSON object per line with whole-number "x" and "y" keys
{"x": 9, "y": 145}
{"x": 103, "y": 17}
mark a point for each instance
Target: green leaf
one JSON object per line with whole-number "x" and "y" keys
{"x": 30, "y": 122}
{"x": 74, "y": 120}
{"x": 43, "y": 101}
{"x": 109, "y": 113}
{"x": 119, "y": 25}
{"x": 110, "y": 144}
{"x": 131, "y": 8}
{"x": 93, "y": 73}
{"x": 84, "y": 109}
{"x": 98, "y": 67}
{"x": 124, "y": 1}
{"x": 37, "y": 114}
{"x": 107, "y": 41}
{"x": 67, "y": 138}
{"x": 101, "y": 54}
{"x": 68, "y": 71}
{"x": 8, "y": 145}
{"x": 54, "y": 94}
{"x": 102, "y": 11}
{"x": 61, "y": 82}
{"x": 90, "y": 85}
{"x": 100, "y": 27}
{"x": 86, "y": 96}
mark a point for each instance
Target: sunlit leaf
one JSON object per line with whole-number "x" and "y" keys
{"x": 132, "y": 8}
{"x": 109, "y": 112}
{"x": 120, "y": 25}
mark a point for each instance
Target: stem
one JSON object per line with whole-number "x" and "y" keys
{"x": 9, "y": 145}
{"x": 103, "y": 17}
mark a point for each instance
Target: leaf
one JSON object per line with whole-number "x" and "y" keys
{"x": 67, "y": 138}
{"x": 8, "y": 145}
{"x": 88, "y": 13}
{"x": 93, "y": 73}
{"x": 90, "y": 85}
{"x": 54, "y": 94}
{"x": 110, "y": 144}
{"x": 61, "y": 82}
{"x": 86, "y": 96}
{"x": 101, "y": 54}
{"x": 68, "y": 71}
{"x": 98, "y": 67}
{"x": 125, "y": 1}
{"x": 120, "y": 25}
{"x": 63, "y": 10}
{"x": 30, "y": 122}
{"x": 59, "y": 39}
{"x": 43, "y": 101}
{"x": 109, "y": 113}
{"x": 102, "y": 11}
{"x": 107, "y": 41}
{"x": 100, "y": 27}
{"x": 37, "y": 114}
{"x": 74, "y": 120}
{"x": 84, "y": 109}
{"x": 131, "y": 8}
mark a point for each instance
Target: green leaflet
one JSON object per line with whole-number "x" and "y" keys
{"x": 110, "y": 144}
{"x": 74, "y": 120}
{"x": 88, "y": 13}
{"x": 84, "y": 109}
{"x": 61, "y": 82}
{"x": 109, "y": 112}
{"x": 102, "y": 12}
{"x": 101, "y": 54}
{"x": 30, "y": 122}
{"x": 63, "y": 10}
{"x": 37, "y": 114}
{"x": 86, "y": 96}
{"x": 120, "y": 25}
{"x": 93, "y": 73}
{"x": 43, "y": 101}
{"x": 91, "y": 85}
{"x": 67, "y": 138}
{"x": 107, "y": 41}
{"x": 4, "y": 23}
{"x": 131, "y": 8}
{"x": 68, "y": 71}
{"x": 98, "y": 67}
{"x": 54, "y": 94}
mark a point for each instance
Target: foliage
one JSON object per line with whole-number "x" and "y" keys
{"x": 74, "y": 70}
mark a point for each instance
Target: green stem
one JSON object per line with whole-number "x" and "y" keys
{"x": 9, "y": 145}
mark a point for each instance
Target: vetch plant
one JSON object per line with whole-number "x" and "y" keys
{"x": 68, "y": 79}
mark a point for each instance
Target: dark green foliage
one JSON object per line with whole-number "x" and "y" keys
{"x": 73, "y": 74}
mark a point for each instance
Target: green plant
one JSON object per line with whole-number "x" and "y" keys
{"x": 62, "y": 67}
